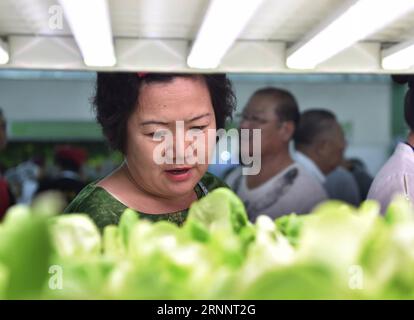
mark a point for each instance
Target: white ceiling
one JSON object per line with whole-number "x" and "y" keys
{"x": 156, "y": 35}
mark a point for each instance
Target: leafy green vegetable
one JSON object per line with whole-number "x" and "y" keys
{"x": 4, "y": 277}
{"x": 290, "y": 225}
{"x": 76, "y": 236}
{"x": 335, "y": 252}
{"x": 221, "y": 212}
{"x": 25, "y": 250}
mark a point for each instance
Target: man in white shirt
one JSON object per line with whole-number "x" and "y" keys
{"x": 282, "y": 186}
{"x": 397, "y": 175}
{"x": 320, "y": 144}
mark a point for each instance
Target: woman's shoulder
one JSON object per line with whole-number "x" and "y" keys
{"x": 95, "y": 201}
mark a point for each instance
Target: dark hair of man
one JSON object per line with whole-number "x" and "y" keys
{"x": 313, "y": 123}
{"x": 286, "y": 106}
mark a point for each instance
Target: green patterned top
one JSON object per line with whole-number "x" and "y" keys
{"x": 105, "y": 210}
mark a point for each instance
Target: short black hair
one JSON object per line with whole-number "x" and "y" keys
{"x": 117, "y": 94}
{"x": 312, "y": 124}
{"x": 287, "y": 108}
{"x": 409, "y": 98}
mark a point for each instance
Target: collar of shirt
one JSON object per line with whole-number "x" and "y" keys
{"x": 404, "y": 151}
{"x": 407, "y": 144}
{"x": 309, "y": 165}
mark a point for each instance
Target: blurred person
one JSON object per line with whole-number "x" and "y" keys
{"x": 6, "y": 196}
{"x": 342, "y": 185}
{"x": 13, "y": 181}
{"x": 282, "y": 186}
{"x": 397, "y": 174}
{"x": 28, "y": 175}
{"x": 362, "y": 177}
{"x": 68, "y": 180}
{"x": 320, "y": 145}
{"x": 131, "y": 109}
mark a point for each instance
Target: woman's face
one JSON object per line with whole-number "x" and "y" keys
{"x": 160, "y": 106}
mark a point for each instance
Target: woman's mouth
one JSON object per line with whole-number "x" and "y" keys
{"x": 179, "y": 174}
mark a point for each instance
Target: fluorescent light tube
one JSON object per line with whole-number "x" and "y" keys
{"x": 359, "y": 20}
{"x": 90, "y": 23}
{"x": 222, "y": 24}
{"x": 4, "y": 53}
{"x": 399, "y": 57}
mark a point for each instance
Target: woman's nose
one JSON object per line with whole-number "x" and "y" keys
{"x": 180, "y": 149}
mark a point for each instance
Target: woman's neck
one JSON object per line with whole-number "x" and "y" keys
{"x": 122, "y": 186}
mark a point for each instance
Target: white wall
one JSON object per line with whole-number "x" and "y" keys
{"x": 363, "y": 105}
{"x": 46, "y": 99}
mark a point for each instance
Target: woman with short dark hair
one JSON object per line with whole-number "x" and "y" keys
{"x": 137, "y": 111}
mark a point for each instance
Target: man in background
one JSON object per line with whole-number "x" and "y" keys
{"x": 320, "y": 145}
{"x": 360, "y": 172}
{"x": 282, "y": 186}
{"x": 396, "y": 177}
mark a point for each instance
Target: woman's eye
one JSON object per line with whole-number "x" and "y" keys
{"x": 198, "y": 127}
{"x": 158, "y": 134}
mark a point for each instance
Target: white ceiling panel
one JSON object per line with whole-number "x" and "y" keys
{"x": 138, "y": 22}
